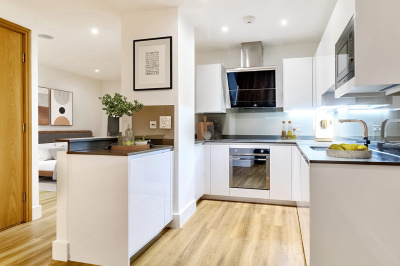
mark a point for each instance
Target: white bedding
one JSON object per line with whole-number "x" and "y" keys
{"x": 47, "y": 165}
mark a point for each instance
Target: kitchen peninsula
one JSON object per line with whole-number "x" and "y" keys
{"x": 110, "y": 204}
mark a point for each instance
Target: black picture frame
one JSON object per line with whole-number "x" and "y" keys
{"x": 152, "y": 59}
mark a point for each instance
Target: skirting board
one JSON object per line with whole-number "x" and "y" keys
{"x": 250, "y": 200}
{"x": 179, "y": 219}
{"x": 60, "y": 250}
{"x": 36, "y": 212}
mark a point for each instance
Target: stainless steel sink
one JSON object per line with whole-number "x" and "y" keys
{"x": 318, "y": 148}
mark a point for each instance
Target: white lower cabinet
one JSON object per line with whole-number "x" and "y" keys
{"x": 281, "y": 172}
{"x": 149, "y": 197}
{"x": 296, "y": 177}
{"x": 199, "y": 171}
{"x": 219, "y": 162}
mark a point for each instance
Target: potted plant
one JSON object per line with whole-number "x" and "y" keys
{"x": 116, "y": 107}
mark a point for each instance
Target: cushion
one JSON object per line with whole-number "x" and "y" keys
{"x": 54, "y": 152}
{"x": 44, "y": 155}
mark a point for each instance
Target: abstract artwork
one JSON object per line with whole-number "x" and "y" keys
{"x": 61, "y": 108}
{"x": 152, "y": 64}
{"x": 44, "y": 106}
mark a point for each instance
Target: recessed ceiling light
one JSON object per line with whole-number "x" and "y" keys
{"x": 45, "y": 36}
{"x": 224, "y": 29}
{"x": 284, "y": 22}
{"x": 95, "y": 31}
{"x": 96, "y": 70}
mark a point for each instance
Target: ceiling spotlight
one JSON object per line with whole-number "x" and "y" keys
{"x": 284, "y": 22}
{"x": 95, "y": 31}
{"x": 45, "y": 36}
{"x": 249, "y": 19}
{"x": 96, "y": 70}
{"x": 224, "y": 29}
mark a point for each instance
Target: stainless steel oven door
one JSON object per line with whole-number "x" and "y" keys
{"x": 249, "y": 171}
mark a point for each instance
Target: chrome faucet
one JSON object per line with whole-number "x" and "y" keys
{"x": 366, "y": 141}
{"x": 384, "y": 125}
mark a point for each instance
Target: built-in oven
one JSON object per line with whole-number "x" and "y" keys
{"x": 249, "y": 168}
{"x": 344, "y": 55}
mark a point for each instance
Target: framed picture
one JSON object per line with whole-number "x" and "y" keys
{"x": 152, "y": 64}
{"x": 61, "y": 107}
{"x": 44, "y": 106}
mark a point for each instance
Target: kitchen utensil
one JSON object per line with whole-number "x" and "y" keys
{"x": 202, "y": 127}
{"x": 207, "y": 135}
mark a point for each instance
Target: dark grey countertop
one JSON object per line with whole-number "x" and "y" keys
{"x": 121, "y": 153}
{"x": 313, "y": 156}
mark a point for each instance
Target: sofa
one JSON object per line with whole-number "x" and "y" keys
{"x": 48, "y": 158}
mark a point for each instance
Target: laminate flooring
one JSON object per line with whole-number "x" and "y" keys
{"x": 31, "y": 243}
{"x": 231, "y": 233}
{"x": 219, "y": 233}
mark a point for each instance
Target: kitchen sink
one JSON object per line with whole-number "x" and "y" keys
{"x": 318, "y": 148}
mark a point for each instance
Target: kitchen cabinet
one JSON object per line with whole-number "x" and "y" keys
{"x": 325, "y": 55}
{"x": 298, "y": 83}
{"x": 281, "y": 172}
{"x": 211, "y": 89}
{"x": 149, "y": 195}
{"x": 199, "y": 171}
{"x": 303, "y": 208}
{"x": 219, "y": 162}
{"x": 207, "y": 169}
{"x": 296, "y": 176}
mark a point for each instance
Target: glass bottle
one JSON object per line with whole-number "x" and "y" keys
{"x": 290, "y": 130}
{"x": 283, "y": 130}
{"x": 294, "y": 134}
{"x": 120, "y": 139}
{"x": 129, "y": 138}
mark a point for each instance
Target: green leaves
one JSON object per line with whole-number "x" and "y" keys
{"x": 118, "y": 105}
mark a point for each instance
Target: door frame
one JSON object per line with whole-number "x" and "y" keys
{"x": 27, "y": 114}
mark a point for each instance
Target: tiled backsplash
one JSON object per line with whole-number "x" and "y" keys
{"x": 256, "y": 122}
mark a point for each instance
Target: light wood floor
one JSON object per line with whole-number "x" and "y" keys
{"x": 219, "y": 233}
{"x": 30, "y": 243}
{"x": 227, "y": 233}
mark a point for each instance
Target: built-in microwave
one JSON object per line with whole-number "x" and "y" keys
{"x": 344, "y": 55}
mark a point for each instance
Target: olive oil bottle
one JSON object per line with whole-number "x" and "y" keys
{"x": 283, "y": 130}
{"x": 290, "y": 130}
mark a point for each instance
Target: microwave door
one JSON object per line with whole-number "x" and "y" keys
{"x": 342, "y": 61}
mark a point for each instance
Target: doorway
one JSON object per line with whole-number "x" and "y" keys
{"x": 15, "y": 125}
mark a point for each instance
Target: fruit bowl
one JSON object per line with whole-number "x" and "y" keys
{"x": 351, "y": 151}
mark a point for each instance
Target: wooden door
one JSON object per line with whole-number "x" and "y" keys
{"x": 13, "y": 150}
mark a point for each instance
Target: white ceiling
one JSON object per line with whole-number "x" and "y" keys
{"x": 75, "y": 49}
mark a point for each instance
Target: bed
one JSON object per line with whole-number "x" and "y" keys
{"x": 48, "y": 148}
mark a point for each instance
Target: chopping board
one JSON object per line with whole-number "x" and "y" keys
{"x": 202, "y": 127}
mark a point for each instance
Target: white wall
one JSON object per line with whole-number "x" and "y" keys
{"x": 161, "y": 23}
{"x": 86, "y": 105}
{"x": 111, "y": 87}
{"x": 273, "y": 55}
{"x": 21, "y": 17}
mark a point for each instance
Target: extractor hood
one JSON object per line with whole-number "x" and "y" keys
{"x": 252, "y": 85}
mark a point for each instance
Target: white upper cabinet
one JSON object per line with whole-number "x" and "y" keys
{"x": 298, "y": 83}
{"x": 376, "y": 50}
{"x": 211, "y": 89}
{"x": 325, "y": 55}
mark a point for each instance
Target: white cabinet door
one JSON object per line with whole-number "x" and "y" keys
{"x": 199, "y": 171}
{"x": 296, "y": 175}
{"x": 147, "y": 198}
{"x": 207, "y": 169}
{"x": 220, "y": 170}
{"x": 305, "y": 181}
{"x": 211, "y": 89}
{"x": 298, "y": 83}
{"x": 281, "y": 172}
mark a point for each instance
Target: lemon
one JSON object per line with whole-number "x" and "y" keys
{"x": 335, "y": 147}
{"x": 362, "y": 148}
